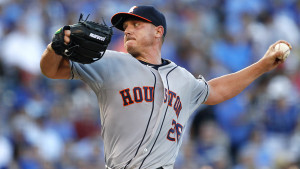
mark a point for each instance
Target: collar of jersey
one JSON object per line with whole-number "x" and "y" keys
{"x": 164, "y": 62}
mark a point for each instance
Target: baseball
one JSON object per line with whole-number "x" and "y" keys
{"x": 284, "y": 48}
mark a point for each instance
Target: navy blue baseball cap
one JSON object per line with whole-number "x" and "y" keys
{"x": 146, "y": 13}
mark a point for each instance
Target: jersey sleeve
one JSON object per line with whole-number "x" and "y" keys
{"x": 92, "y": 74}
{"x": 200, "y": 91}
{"x": 87, "y": 73}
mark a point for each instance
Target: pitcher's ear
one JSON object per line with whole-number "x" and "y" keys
{"x": 159, "y": 31}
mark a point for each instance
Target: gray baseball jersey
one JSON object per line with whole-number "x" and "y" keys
{"x": 143, "y": 110}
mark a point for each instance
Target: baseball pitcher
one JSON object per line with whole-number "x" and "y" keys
{"x": 145, "y": 101}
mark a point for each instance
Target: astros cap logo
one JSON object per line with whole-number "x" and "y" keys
{"x": 131, "y": 9}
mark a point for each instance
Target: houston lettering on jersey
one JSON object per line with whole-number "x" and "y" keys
{"x": 170, "y": 95}
{"x": 146, "y": 93}
{"x": 139, "y": 95}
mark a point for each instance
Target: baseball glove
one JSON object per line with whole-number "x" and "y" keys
{"x": 89, "y": 41}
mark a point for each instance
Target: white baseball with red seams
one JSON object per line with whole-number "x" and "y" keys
{"x": 285, "y": 49}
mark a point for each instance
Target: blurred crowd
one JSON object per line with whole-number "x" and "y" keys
{"x": 55, "y": 124}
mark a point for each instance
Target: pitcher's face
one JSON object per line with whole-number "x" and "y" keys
{"x": 138, "y": 35}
